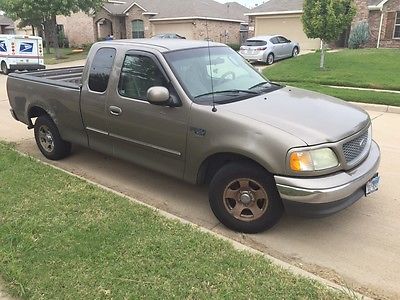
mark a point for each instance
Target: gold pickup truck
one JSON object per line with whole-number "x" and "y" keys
{"x": 198, "y": 111}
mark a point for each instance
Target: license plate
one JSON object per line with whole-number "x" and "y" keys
{"x": 372, "y": 185}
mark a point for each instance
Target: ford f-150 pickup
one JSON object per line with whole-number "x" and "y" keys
{"x": 197, "y": 111}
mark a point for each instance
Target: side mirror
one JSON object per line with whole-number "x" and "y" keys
{"x": 158, "y": 95}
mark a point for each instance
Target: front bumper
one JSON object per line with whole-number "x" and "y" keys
{"x": 320, "y": 196}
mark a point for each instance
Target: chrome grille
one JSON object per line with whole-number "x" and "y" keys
{"x": 354, "y": 148}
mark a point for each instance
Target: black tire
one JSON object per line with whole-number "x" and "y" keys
{"x": 4, "y": 68}
{"x": 48, "y": 139}
{"x": 270, "y": 59}
{"x": 223, "y": 208}
{"x": 295, "y": 51}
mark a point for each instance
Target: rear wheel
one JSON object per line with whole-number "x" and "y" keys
{"x": 243, "y": 196}
{"x": 48, "y": 139}
{"x": 4, "y": 68}
{"x": 270, "y": 59}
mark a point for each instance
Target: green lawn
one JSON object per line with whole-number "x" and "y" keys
{"x": 367, "y": 68}
{"x": 67, "y": 56}
{"x": 62, "y": 238}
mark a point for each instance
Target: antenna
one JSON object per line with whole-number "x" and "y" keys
{"x": 214, "y": 109}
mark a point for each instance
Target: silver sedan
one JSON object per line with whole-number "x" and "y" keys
{"x": 269, "y": 49}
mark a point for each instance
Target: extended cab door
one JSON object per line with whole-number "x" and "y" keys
{"x": 93, "y": 99}
{"x": 146, "y": 134}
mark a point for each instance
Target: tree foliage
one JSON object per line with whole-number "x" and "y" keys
{"x": 327, "y": 19}
{"x": 44, "y": 12}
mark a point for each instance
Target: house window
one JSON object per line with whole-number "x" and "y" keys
{"x": 137, "y": 29}
{"x": 397, "y": 26}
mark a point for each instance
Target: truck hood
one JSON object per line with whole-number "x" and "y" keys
{"x": 312, "y": 117}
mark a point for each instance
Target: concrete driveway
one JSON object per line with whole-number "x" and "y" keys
{"x": 358, "y": 247}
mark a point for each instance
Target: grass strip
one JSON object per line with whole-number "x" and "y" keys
{"x": 365, "y": 68}
{"x": 351, "y": 95}
{"x": 62, "y": 238}
{"x": 67, "y": 56}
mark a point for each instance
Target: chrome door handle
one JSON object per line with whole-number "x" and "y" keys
{"x": 115, "y": 110}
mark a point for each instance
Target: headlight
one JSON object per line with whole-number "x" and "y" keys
{"x": 313, "y": 160}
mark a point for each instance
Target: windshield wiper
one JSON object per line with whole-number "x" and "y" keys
{"x": 259, "y": 84}
{"x": 234, "y": 91}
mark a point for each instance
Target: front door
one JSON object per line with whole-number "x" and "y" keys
{"x": 146, "y": 134}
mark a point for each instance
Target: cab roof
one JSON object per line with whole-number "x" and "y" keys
{"x": 164, "y": 45}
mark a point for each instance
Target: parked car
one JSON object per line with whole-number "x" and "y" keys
{"x": 268, "y": 49}
{"x": 21, "y": 52}
{"x": 168, "y": 36}
{"x": 197, "y": 111}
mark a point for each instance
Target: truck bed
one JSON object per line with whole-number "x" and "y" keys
{"x": 66, "y": 77}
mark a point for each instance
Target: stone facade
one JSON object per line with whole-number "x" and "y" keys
{"x": 136, "y": 13}
{"x": 218, "y": 31}
{"x": 78, "y": 28}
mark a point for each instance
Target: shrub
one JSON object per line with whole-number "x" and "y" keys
{"x": 235, "y": 47}
{"x": 359, "y": 35}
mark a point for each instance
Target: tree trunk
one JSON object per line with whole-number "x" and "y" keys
{"x": 322, "y": 63}
{"x": 50, "y": 27}
{"x": 47, "y": 37}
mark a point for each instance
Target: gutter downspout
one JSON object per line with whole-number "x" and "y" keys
{"x": 380, "y": 29}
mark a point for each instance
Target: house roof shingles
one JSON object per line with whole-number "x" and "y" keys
{"x": 181, "y": 8}
{"x": 6, "y": 21}
{"x": 279, "y": 6}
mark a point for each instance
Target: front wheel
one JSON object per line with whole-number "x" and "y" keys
{"x": 243, "y": 196}
{"x": 295, "y": 52}
{"x": 48, "y": 139}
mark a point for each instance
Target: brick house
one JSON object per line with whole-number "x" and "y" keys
{"x": 383, "y": 17}
{"x": 141, "y": 18}
{"x": 284, "y": 17}
{"x": 6, "y": 25}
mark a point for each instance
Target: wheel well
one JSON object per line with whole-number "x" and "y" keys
{"x": 35, "y": 112}
{"x": 215, "y": 162}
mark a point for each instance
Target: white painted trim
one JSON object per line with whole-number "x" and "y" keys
{"x": 107, "y": 10}
{"x": 271, "y": 13}
{"x": 149, "y": 13}
{"x": 379, "y": 6}
{"x": 195, "y": 18}
{"x": 380, "y": 29}
{"x": 130, "y": 6}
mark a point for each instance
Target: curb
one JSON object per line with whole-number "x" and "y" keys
{"x": 378, "y": 107}
{"x": 237, "y": 245}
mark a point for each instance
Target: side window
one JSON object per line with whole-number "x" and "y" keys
{"x": 139, "y": 73}
{"x": 100, "y": 69}
{"x": 274, "y": 40}
{"x": 282, "y": 40}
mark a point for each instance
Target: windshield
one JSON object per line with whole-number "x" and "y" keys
{"x": 216, "y": 73}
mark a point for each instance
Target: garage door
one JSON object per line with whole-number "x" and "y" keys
{"x": 289, "y": 26}
{"x": 183, "y": 29}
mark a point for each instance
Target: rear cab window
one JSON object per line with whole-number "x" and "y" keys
{"x": 100, "y": 69}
